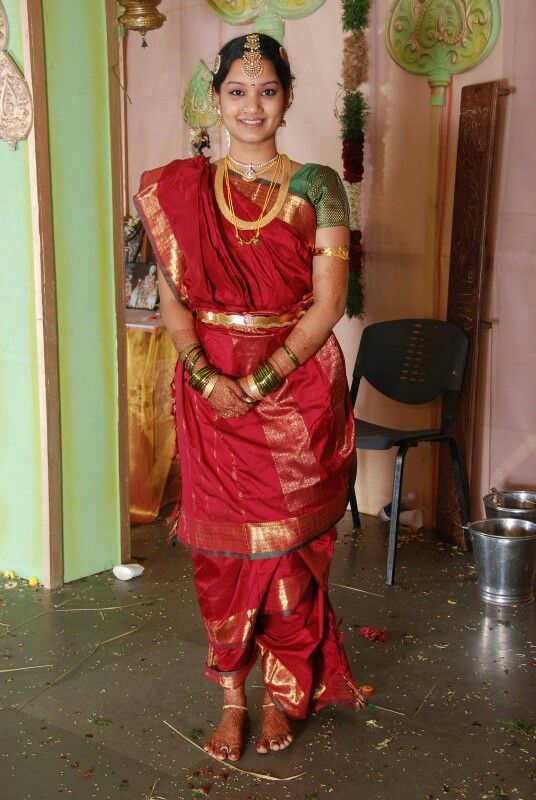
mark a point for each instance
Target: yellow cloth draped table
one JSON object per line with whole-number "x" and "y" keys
{"x": 151, "y": 433}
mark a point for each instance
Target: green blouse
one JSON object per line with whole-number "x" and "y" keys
{"x": 322, "y": 186}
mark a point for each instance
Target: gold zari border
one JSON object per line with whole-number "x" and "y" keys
{"x": 235, "y": 630}
{"x": 286, "y": 593}
{"x": 228, "y": 680}
{"x": 280, "y": 682}
{"x": 260, "y": 539}
{"x": 163, "y": 241}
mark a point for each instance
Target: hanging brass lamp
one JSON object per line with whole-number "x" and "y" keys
{"x": 141, "y": 16}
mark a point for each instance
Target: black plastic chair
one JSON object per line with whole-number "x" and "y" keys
{"x": 411, "y": 361}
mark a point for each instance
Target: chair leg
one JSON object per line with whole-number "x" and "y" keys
{"x": 356, "y": 519}
{"x": 463, "y": 498}
{"x": 395, "y": 511}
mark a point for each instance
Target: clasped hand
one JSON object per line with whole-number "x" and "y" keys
{"x": 229, "y": 398}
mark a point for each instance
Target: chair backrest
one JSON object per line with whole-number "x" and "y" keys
{"x": 413, "y": 361}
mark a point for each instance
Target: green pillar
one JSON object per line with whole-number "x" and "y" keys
{"x": 81, "y": 177}
{"x": 21, "y": 545}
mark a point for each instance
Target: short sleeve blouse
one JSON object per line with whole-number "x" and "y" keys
{"x": 325, "y": 190}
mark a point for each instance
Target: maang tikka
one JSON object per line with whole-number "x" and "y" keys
{"x": 252, "y": 57}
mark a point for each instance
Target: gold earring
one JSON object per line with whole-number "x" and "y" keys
{"x": 220, "y": 120}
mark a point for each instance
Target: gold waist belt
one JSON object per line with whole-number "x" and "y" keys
{"x": 243, "y": 321}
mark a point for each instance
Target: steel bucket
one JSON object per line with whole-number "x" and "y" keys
{"x": 505, "y": 556}
{"x": 511, "y": 505}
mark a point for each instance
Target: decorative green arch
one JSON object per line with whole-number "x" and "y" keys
{"x": 268, "y": 15}
{"x": 238, "y": 12}
{"x": 294, "y": 9}
{"x": 441, "y": 38}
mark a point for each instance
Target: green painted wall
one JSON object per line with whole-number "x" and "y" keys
{"x": 77, "y": 91}
{"x": 20, "y": 459}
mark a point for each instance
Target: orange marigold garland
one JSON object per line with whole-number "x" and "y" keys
{"x": 354, "y": 72}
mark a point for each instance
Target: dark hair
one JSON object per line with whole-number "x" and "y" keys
{"x": 269, "y": 48}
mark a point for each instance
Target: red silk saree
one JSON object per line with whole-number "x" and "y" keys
{"x": 260, "y": 493}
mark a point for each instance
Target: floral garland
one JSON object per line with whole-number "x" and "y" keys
{"x": 354, "y": 72}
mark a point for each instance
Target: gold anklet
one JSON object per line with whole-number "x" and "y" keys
{"x": 233, "y": 705}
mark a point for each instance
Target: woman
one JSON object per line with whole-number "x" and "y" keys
{"x": 253, "y": 273}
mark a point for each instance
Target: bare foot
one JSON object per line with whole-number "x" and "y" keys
{"x": 276, "y": 732}
{"x": 227, "y": 741}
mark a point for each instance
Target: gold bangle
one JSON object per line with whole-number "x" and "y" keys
{"x": 253, "y": 387}
{"x": 291, "y": 355}
{"x": 339, "y": 252}
{"x": 211, "y": 383}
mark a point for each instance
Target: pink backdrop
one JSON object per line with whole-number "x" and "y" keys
{"x": 395, "y": 188}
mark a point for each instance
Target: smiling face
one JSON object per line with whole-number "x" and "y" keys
{"x": 252, "y": 109}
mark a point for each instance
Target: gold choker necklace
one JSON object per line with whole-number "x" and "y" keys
{"x": 226, "y": 204}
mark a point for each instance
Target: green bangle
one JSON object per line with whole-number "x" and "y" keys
{"x": 266, "y": 378}
{"x": 194, "y": 360}
{"x": 191, "y": 354}
{"x": 200, "y": 379}
{"x": 291, "y": 355}
{"x": 185, "y": 352}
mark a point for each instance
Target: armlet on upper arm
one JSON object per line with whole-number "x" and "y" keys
{"x": 339, "y": 252}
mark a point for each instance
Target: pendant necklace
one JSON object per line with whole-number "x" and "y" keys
{"x": 253, "y": 170}
{"x": 226, "y": 206}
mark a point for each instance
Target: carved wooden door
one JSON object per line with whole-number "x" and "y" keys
{"x": 468, "y": 266}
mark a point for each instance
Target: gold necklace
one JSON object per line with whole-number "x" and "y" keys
{"x": 256, "y": 238}
{"x": 226, "y": 206}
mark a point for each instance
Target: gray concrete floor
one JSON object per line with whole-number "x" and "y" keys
{"x": 452, "y": 667}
